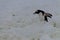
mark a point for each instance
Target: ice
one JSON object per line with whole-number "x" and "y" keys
{"x": 17, "y": 21}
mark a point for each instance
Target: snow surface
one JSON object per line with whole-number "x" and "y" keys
{"x": 17, "y": 21}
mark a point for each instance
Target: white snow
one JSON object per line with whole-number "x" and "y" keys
{"x": 17, "y": 21}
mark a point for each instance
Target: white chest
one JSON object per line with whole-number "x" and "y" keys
{"x": 41, "y": 17}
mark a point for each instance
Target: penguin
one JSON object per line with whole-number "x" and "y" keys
{"x": 44, "y": 14}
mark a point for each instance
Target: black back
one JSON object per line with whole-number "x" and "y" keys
{"x": 38, "y": 11}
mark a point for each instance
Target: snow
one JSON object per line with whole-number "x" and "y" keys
{"x": 17, "y": 21}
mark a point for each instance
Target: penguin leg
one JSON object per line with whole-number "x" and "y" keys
{"x": 45, "y": 18}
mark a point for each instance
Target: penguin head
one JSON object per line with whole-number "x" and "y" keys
{"x": 38, "y": 11}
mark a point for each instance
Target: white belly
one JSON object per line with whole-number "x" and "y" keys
{"x": 41, "y": 17}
